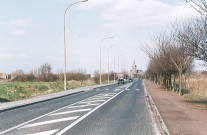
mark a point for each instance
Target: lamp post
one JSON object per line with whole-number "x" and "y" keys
{"x": 65, "y": 40}
{"x": 100, "y": 54}
{"x": 108, "y": 58}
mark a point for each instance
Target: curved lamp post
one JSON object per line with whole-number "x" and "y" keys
{"x": 100, "y": 54}
{"x": 108, "y": 58}
{"x": 65, "y": 39}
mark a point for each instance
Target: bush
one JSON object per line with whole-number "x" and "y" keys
{"x": 24, "y": 78}
{"x": 74, "y": 76}
{"x": 47, "y": 78}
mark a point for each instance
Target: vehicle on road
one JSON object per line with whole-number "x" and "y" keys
{"x": 130, "y": 79}
{"x": 120, "y": 81}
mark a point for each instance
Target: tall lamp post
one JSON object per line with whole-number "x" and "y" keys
{"x": 65, "y": 39}
{"x": 108, "y": 58}
{"x": 100, "y": 54}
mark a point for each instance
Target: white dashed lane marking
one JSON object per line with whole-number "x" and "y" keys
{"x": 84, "y": 116}
{"x": 49, "y": 122}
{"x": 92, "y": 104}
{"x": 45, "y": 132}
{"x": 94, "y": 101}
{"x": 74, "y": 111}
{"x": 80, "y": 106}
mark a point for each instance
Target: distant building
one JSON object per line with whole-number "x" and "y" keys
{"x": 3, "y": 76}
{"x": 134, "y": 72}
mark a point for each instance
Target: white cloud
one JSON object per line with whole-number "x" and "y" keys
{"x": 18, "y": 32}
{"x": 19, "y": 26}
{"x": 6, "y": 56}
{"x": 21, "y": 23}
{"x": 139, "y": 13}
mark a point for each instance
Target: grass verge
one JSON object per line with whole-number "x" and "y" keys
{"x": 11, "y": 91}
{"x": 196, "y": 99}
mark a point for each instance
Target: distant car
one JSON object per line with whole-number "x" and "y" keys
{"x": 120, "y": 81}
{"x": 130, "y": 79}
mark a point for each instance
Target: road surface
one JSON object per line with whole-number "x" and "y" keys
{"x": 111, "y": 110}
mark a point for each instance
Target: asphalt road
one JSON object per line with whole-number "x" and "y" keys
{"x": 111, "y": 110}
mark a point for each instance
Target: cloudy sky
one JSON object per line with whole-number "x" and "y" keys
{"x": 31, "y": 31}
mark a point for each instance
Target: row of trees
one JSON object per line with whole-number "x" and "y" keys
{"x": 173, "y": 52}
{"x": 45, "y": 74}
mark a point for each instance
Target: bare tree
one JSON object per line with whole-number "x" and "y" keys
{"x": 200, "y": 6}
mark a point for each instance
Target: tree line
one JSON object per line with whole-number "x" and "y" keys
{"x": 44, "y": 74}
{"x": 172, "y": 53}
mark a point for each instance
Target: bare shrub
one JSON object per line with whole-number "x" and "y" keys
{"x": 24, "y": 78}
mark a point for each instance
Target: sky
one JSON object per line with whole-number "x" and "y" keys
{"x": 31, "y": 32}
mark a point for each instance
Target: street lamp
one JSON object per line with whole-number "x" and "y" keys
{"x": 108, "y": 58}
{"x": 65, "y": 40}
{"x": 100, "y": 54}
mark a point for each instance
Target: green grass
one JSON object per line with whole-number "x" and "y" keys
{"x": 196, "y": 99}
{"x": 11, "y": 91}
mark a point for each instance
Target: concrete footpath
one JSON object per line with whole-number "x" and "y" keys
{"x": 42, "y": 98}
{"x": 180, "y": 116}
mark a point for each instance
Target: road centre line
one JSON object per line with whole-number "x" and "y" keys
{"x": 49, "y": 122}
{"x": 45, "y": 132}
{"x": 84, "y": 116}
{"x": 15, "y": 127}
{"x": 67, "y": 112}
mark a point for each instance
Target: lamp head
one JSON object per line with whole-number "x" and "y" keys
{"x": 84, "y": 0}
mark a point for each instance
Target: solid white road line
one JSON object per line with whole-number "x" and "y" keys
{"x": 107, "y": 89}
{"x": 84, "y": 116}
{"x": 67, "y": 112}
{"x": 137, "y": 89}
{"x": 79, "y": 106}
{"x": 15, "y": 127}
{"x": 98, "y": 98}
{"x": 45, "y": 132}
{"x": 49, "y": 122}
{"x": 94, "y": 101}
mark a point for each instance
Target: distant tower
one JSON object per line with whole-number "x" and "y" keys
{"x": 134, "y": 68}
{"x": 133, "y": 72}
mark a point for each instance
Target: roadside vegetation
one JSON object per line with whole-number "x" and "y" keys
{"x": 43, "y": 81}
{"x": 172, "y": 55}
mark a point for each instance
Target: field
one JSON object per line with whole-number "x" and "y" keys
{"x": 11, "y": 91}
{"x": 197, "y": 86}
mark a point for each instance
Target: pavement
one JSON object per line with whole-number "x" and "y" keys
{"x": 111, "y": 110}
{"x": 180, "y": 116}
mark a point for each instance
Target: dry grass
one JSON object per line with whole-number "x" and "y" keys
{"x": 10, "y": 91}
{"x": 197, "y": 85}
